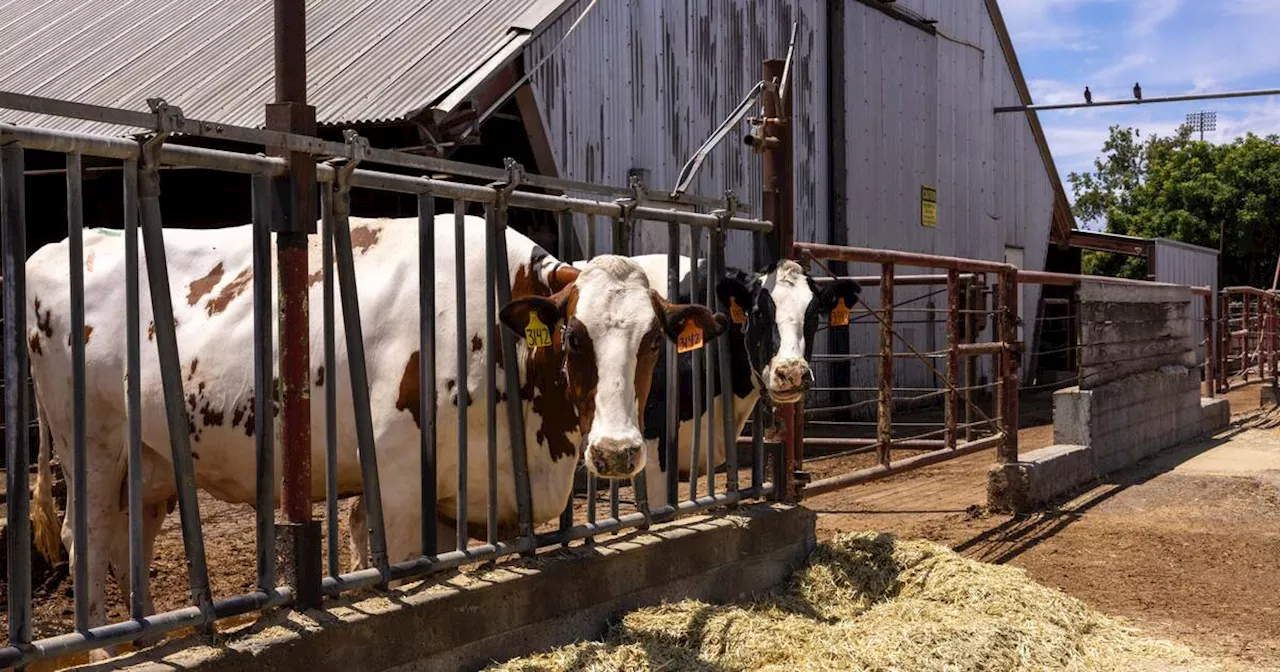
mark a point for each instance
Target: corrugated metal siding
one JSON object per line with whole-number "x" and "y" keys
{"x": 369, "y": 60}
{"x": 640, "y": 85}
{"x": 1183, "y": 264}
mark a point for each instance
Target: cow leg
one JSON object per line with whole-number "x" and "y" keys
{"x": 103, "y": 519}
{"x": 359, "y": 535}
{"x": 153, "y": 515}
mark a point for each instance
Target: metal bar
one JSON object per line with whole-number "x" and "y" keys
{"x": 171, "y": 379}
{"x": 872, "y": 256}
{"x": 349, "y": 301}
{"x": 898, "y": 280}
{"x": 427, "y": 368}
{"x": 1135, "y": 101}
{"x": 591, "y": 236}
{"x": 13, "y": 260}
{"x": 952, "y": 400}
{"x": 843, "y": 442}
{"x": 1210, "y": 375}
{"x": 879, "y": 471}
{"x": 491, "y": 372}
{"x": 331, "y": 389}
{"x": 700, "y": 401}
{"x": 613, "y": 498}
{"x": 709, "y": 369}
{"x": 979, "y": 349}
{"x": 592, "y": 494}
{"x": 79, "y": 458}
{"x": 673, "y": 373}
{"x": 730, "y": 427}
{"x": 462, "y": 394}
{"x": 139, "y": 577}
{"x": 885, "y": 410}
{"x": 263, "y": 365}
{"x": 757, "y": 446}
{"x": 1009, "y": 362}
{"x": 564, "y": 237}
{"x": 511, "y": 368}
{"x": 972, "y": 296}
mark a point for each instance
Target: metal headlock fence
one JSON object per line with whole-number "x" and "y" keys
{"x": 342, "y": 166}
{"x": 1248, "y": 342}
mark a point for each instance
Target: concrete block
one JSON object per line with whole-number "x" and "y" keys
{"x": 1215, "y": 414}
{"x": 1094, "y": 291}
{"x": 470, "y": 620}
{"x": 1039, "y": 477}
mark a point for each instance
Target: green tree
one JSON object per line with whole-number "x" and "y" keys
{"x": 1192, "y": 191}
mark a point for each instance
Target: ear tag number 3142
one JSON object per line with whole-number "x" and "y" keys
{"x": 537, "y": 334}
{"x": 839, "y": 314}
{"x": 690, "y": 337}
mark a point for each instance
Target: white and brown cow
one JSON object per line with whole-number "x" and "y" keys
{"x": 582, "y": 392}
{"x": 776, "y": 313}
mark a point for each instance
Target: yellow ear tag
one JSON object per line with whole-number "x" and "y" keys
{"x": 536, "y": 334}
{"x": 839, "y": 314}
{"x": 736, "y": 313}
{"x": 690, "y": 337}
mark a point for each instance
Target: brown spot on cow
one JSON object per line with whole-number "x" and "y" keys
{"x": 229, "y": 292}
{"x": 409, "y": 399}
{"x": 87, "y": 331}
{"x": 547, "y": 387}
{"x": 476, "y": 343}
{"x": 210, "y": 417}
{"x": 33, "y": 343}
{"x": 315, "y": 278}
{"x": 44, "y": 322}
{"x": 237, "y": 416}
{"x": 249, "y": 416}
{"x": 195, "y": 362}
{"x": 198, "y": 289}
{"x": 88, "y": 262}
{"x": 363, "y": 237}
{"x": 151, "y": 330}
{"x": 320, "y": 376}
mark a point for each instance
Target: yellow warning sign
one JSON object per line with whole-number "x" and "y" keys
{"x": 928, "y": 206}
{"x": 839, "y": 314}
{"x": 690, "y": 337}
{"x": 536, "y": 334}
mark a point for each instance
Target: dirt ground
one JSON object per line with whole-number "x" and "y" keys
{"x": 1186, "y": 546}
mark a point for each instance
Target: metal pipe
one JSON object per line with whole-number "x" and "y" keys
{"x": 171, "y": 379}
{"x": 79, "y": 458}
{"x": 730, "y": 428}
{"x": 700, "y": 401}
{"x": 263, "y": 392}
{"x": 757, "y": 446}
{"x": 1159, "y": 99}
{"x": 979, "y": 349}
{"x": 673, "y": 372}
{"x": 139, "y": 576}
{"x": 885, "y": 405}
{"x": 899, "y": 280}
{"x": 427, "y": 368}
{"x": 13, "y": 259}
{"x": 879, "y": 471}
{"x": 872, "y": 256}
{"x": 1210, "y": 375}
{"x": 709, "y": 370}
{"x": 1009, "y": 363}
{"x": 329, "y": 318}
{"x": 462, "y": 393}
{"x": 491, "y": 375}
{"x": 843, "y": 442}
{"x": 952, "y": 399}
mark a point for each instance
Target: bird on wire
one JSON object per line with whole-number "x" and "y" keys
{"x": 1137, "y": 91}
{"x": 1088, "y": 96}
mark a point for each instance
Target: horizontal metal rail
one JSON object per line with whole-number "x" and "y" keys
{"x": 873, "y": 256}
{"x": 879, "y": 471}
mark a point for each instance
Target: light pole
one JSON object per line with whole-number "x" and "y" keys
{"x": 1203, "y": 121}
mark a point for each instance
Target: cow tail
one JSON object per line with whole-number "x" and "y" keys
{"x": 45, "y": 525}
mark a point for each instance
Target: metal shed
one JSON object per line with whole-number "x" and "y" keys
{"x": 1185, "y": 264}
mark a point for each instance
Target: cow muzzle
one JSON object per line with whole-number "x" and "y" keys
{"x": 616, "y": 458}
{"x": 789, "y": 380}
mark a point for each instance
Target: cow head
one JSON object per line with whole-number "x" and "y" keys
{"x": 780, "y": 307}
{"x": 606, "y": 328}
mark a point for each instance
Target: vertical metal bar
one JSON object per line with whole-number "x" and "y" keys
{"x": 1009, "y": 356}
{"x": 565, "y": 237}
{"x": 730, "y": 425}
{"x": 171, "y": 378}
{"x": 673, "y": 374}
{"x": 327, "y": 217}
{"x": 884, "y": 426}
{"x": 971, "y": 363}
{"x": 263, "y": 365}
{"x": 79, "y": 464}
{"x": 460, "y": 266}
{"x": 139, "y": 579}
{"x": 1210, "y": 378}
{"x": 1224, "y": 341}
{"x": 491, "y": 368}
{"x": 710, "y": 371}
{"x": 591, "y": 236}
{"x": 427, "y": 367}
{"x": 17, "y": 452}
{"x": 349, "y": 301}
{"x": 953, "y": 356}
{"x": 511, "y": 370}
{"x": 701, "y": 403}
{"x": 1246, "y": 351}
{"x": 757, "y": 447}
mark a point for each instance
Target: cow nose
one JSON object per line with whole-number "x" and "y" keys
{"x": 613, "y": 457}
{"x": 792, "y": 375}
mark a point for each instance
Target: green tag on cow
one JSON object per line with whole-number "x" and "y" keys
{"x": 537, "y": 334}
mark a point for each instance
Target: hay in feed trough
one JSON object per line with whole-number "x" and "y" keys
{"x": 870, "y": 602}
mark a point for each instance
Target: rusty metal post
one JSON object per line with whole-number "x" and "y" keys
{"x": 293, "y": 219}
{"x": 1246, "y": 353}
{"x": 953, "y": 356}
{"x": 884, "y": 425}
{"x": 1224, "y": 341}
{"x": 1210, "y": 378}
{"x": 1010, "y": 354}
{"x": 973, "y": 292}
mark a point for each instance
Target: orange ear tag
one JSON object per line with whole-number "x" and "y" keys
{"x": 839, "y": 314}
{"x": 536, "y": 334}
{"x": 736, "y": 313}
{"x": 690, "y": 337}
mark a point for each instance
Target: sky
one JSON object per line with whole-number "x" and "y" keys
{"x": 1171, "y": 47}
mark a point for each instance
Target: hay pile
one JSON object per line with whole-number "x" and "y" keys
{"x": 870, "y": 602}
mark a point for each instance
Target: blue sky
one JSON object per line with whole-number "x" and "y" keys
{"x": 1169, "y": 46}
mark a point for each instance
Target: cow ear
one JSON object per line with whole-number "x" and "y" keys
{"x": 675, "y": 316}
{"x": 735, "y": 292}
{"x": 843, "y": 288}
{"x": 562, "y": 277}
{"x": 518, "y": 315}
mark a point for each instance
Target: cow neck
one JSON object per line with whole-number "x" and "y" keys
{"x": 545, "y": 387}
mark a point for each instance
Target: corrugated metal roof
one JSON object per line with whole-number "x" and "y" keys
{"x": 368, "y": 60}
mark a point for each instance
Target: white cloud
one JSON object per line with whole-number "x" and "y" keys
{"x": 1150, "y": 14}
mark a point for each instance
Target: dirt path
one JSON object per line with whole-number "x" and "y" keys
{"x": 1186, "y": 545}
